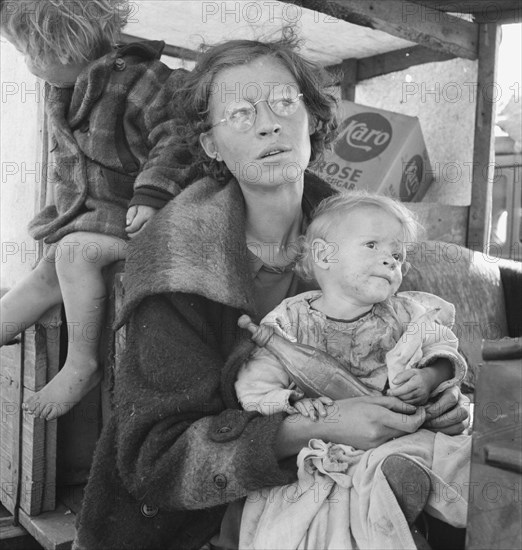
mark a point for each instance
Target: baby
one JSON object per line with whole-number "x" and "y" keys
{"x": 400, "y": 344}
{"x": 111, "y": 115}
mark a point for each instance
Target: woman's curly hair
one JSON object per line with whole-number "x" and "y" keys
{"x": 312, "y": 80}
{"x": 63, "y": 31}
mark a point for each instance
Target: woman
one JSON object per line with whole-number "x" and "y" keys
{"x": 178, "y": 449}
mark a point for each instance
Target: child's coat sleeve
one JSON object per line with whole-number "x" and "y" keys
{"x": 263, "y": 384}
{"x": 427, "y": 321}
{"x": 164, "y": 174}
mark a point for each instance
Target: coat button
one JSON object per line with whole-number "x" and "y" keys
{"x": 220, "y": 481}
{"x": 119, "y": 64}
{"x": 148, "y": 511}
{"x": 224, "y": 430}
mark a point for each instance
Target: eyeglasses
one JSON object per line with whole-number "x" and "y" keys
{"x": 240, "y": 114}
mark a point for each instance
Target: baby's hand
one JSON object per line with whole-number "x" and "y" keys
{"x": 137, "y": 216}
{"x": 412, "y": 386}
{"x": 313, "y": 407}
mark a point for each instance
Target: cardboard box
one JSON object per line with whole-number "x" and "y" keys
{"x": 380, "y": 151}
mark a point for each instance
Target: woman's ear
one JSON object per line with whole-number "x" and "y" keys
{"x": 209, "y": 146}
{"x": 320, "y": 253}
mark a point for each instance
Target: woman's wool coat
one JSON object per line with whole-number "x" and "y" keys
{"x": 178, "y": 448}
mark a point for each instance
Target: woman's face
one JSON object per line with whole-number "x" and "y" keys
{"x": 275, "y": 150}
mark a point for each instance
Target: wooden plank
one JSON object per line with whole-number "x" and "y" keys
{"x": 11, "y": 360}
{"x": 467, "y": 6}
{"x": 8, "y": 530}
{"x": 170, "y": 50}
{"x": 500, "y": 17}
{"x": 35, "y": 358}
{"x": 28, "y": 444}
{"x": 53, "y": 344}
{"x": 349, "y": 80}
{"x": 121, "y": 334}
{"x": 497, "y": 11}
{"x": 436, "y": 30}
{"x": 53, "y": 530}
{"x": 495, "y": 506}
{"x": 398, "y": 60}
{"x": 479, "y": 224}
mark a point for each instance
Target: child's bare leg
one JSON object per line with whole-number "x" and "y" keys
{"x": 84, "y": 293}
{"x": 25, "y": 303}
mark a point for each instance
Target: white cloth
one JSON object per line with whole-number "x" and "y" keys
{"x": 342, "y": 499}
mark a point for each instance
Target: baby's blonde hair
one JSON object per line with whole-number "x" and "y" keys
{"x": 63, "y": 31}
{"x": 336, "y": 207}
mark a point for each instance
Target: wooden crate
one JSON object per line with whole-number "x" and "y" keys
{"x": 27, "y": 444}
{"x": 495, "y": 502}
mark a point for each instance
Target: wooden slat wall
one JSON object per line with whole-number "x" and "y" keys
{"x": 484, "y": 142}
{"x": 446, "y": 34}
{"x": 28, "y": 448}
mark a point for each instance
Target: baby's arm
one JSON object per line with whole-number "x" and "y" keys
{"x": 415, "y": 385}
{"x": 439, "y": 366}
{"x": 264, "y": 386}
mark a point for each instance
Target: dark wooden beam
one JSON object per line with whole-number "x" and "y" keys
{"x": 493, "y": 11}
{"x": 435, "y": 30}
{"x": 389, "y": 62}
{"x": 505, "y": 17}
{"x": 348, "y": 82}
{"x": 479, "y": 222}
{"x": 171, "y": 51}
{"x": 398, "y": 60}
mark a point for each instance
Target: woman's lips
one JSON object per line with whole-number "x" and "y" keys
{"x": 273, "y": 151}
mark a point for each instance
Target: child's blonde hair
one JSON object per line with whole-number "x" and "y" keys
{"x": 336, "y": 207}
{"x": 63, "y": 31}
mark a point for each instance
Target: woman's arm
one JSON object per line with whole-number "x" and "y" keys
{"x": 362, "y": 422}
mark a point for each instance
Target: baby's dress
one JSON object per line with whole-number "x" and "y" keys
{"x": 347, "y": 502}
{"x": 359, "y": 345}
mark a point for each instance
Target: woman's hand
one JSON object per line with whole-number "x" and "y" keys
{"x": 362, "y": 422}
{"x": 449, "y": 414}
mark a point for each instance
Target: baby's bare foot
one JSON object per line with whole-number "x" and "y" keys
{"x": 64, "y": 391}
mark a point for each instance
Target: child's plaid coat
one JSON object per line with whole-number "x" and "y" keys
{"x": 111, "y": 141}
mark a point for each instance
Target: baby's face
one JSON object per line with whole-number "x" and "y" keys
{"x": 368, "y": 251}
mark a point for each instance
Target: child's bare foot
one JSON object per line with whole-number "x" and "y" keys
{"x": 64, "y": 391}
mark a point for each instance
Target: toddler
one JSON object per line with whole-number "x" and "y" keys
{"x": 399, "y": 344}
{"x": 395, "y": 343}
{"x": 112, "y": 163}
